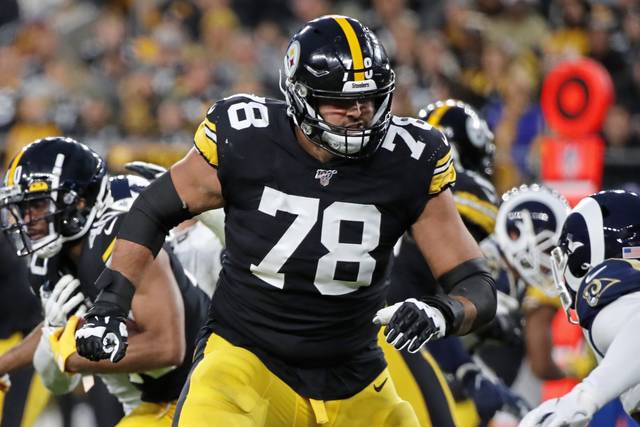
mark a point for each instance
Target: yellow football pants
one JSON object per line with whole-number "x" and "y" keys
{"x": 230, "y": 386}
{"x": 37, "y": 396}
{"x": 150, "y": 415}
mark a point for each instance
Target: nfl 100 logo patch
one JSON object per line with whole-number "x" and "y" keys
{"x": 324, "y": 175}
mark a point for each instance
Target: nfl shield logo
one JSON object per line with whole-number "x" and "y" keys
{"x": 324, "y": 175}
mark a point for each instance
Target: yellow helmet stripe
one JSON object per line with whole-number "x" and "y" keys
{"x": 12, "y": 168}
{"x": 354, "y": 46}
{"x": 436, "y": 116}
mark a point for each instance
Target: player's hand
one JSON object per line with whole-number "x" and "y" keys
{"x": 574, "y": 409}
{"x": 104, "y": 335}
{"x": 63, "y": 343}
{"x": 489, "y": 396}
{"x": 5, "y": 384}
{"x": 411, "y": 324}
{"x": 60, "y": 303}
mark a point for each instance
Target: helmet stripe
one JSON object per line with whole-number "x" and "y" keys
{"x": 436, "y": 116}
{"x": 12, "y": 168}
{"x": 354, "y": 46}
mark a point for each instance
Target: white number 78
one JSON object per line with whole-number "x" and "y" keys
{"x": 306, "y": 211}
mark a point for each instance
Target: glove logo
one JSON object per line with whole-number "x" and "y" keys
{"x": 378, "y": 388}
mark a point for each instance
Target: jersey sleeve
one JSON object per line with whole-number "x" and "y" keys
{"x": 444, "y": 173}
{"x": 604, "y": 284}
{"x": 206, "y": 136}
{"x": 476, "y": 202}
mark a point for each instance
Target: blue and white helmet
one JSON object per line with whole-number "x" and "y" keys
{"x": 528, "y": 226}
{"x": 602, "y": 226}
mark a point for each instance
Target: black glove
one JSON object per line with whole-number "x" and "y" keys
{"x": 490, "y": 396}
{"x": 411, "y": 323}
{"x": 104, "y": 334}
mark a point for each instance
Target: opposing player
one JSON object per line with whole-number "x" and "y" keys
{"x": 60, "y": 207}
{"x": 316, "y": 191}
{"x": 596, "y": 268}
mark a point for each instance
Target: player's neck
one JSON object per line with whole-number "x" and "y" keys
{"x": 318, "y": 153}
{"x": 74, "y": 250}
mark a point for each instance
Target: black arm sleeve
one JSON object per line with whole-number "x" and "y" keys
{"x": 156, "y": 211}
{"x": 471, "y": 280}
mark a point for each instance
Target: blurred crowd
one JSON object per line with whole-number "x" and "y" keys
{"x": 120, "y": 75}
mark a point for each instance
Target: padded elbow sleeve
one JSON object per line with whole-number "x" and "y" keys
{"x": 156, "y": 211}
{"x": 472, "y": 280}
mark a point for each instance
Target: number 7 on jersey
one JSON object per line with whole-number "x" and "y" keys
{"x": 306, "y": 211}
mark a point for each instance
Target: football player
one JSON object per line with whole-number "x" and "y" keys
{"x": 476, "y": 200}
{"x": 596, "y": 269}
{"x": 60, "y": 208}
{"x": 316, "y": 191}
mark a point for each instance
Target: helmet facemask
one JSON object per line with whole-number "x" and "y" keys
{"x": 342, "y": 141}
{"x": 337, "y": 60}
{"x": 528, "y": 252}
{"x": 528, "y": 226}
{"x": 40, "y": 222}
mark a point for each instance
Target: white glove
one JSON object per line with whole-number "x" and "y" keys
{"x": 574, "y": 409}
{"x": 44, "y": 361}
{"x": 61, "y": 302}
{"x": 5, "y": 383}
{"x": 411, "y": 324}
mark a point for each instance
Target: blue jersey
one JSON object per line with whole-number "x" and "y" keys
{"x": 604, "y": 284}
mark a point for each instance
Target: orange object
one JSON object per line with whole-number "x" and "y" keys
{"x": 576, "y": 96}
{"x": 566, "y": 337}
{"x": 572, "y": 166}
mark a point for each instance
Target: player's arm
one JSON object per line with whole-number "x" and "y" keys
{"x": 456, "y": 260}
{"x": 191, "y": 186}
{"x": 539, "y": 343}
{"x": 21, "y": 355}
{"x": 614, "y": 333}
{"x": 158, "y": 311}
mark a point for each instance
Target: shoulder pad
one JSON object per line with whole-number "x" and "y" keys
{"x": 237, "y": 112}
{"x": 476, "y": 201}
{"x": 426, "y": 144}
{"x": 605, "y": 283}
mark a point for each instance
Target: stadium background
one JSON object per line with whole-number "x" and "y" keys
{"x": 132, "y": 79}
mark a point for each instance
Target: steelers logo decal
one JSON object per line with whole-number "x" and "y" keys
{"x": 476, "y": 131}
{"x": 292, "y": 58}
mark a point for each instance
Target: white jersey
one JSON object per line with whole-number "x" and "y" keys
{"x": 199, "y": 251}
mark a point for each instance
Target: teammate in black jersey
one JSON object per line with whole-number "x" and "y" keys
{"x": 316, "y": 192}
{"x": 60, "y": 208}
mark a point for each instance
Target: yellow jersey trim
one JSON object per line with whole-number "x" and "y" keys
{"x": 107, "y": 252}
{"x": 206, "y": 141}
{"x": 475, "y": 209}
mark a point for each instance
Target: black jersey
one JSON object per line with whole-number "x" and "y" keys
{"x": 162, "y": 385}
{"x": 307, "y": 243}
{"x": 476, "y": 201}
{"x": 20, "y": 308}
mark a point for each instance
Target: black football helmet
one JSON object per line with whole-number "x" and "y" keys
{"x": 468, "y": 133}
{"x": 337, "y": 58}
{"x": 51, "y": 194}
{"x": 602, "y": 226}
